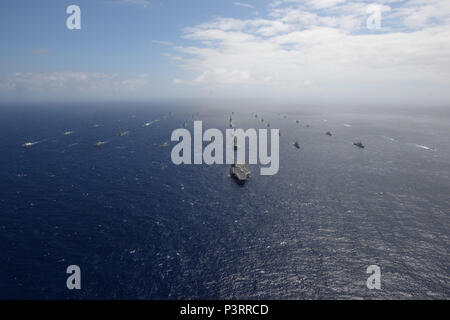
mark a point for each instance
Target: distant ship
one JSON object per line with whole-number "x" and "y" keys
{"x": 240, "y": 172}
{"x": 359, "y": 145}
{"x": 28, "y": 144}
{"x": 99, "y": 143}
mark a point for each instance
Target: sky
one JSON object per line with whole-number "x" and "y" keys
{"x": 312, "y": 51}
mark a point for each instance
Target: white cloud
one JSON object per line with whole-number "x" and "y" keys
{"x": 330, "y": 51}
{"x": 245, "y": 5}
{"x": 224, "y": 76}
{"x": 419, "y": 14}
{"x": 321, "y": 4}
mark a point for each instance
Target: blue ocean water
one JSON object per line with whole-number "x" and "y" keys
{"x": 140, "y": 227}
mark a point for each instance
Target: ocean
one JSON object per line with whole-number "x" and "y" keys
{"x": 140, "y": 227}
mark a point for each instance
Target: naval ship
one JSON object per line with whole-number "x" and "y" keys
{"x": 240, "y": 172}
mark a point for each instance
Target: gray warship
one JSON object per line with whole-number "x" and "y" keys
{"x": 359, "y": 145}
{"x": 240, "y": 172}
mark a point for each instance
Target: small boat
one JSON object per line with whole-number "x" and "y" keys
{"x": 28, "y": 144}
{"x": 68, "y": 133}
{"x": 359, "y": 145}
{"x": 99, "y": 144}
{"x": 123, "y": 133}
{"x": 148, "y": 124}
{"x": 329, "y": 134}
{"x": 296, "y": 144}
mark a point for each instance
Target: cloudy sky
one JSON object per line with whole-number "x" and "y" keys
{"x": 315, "y": 51}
